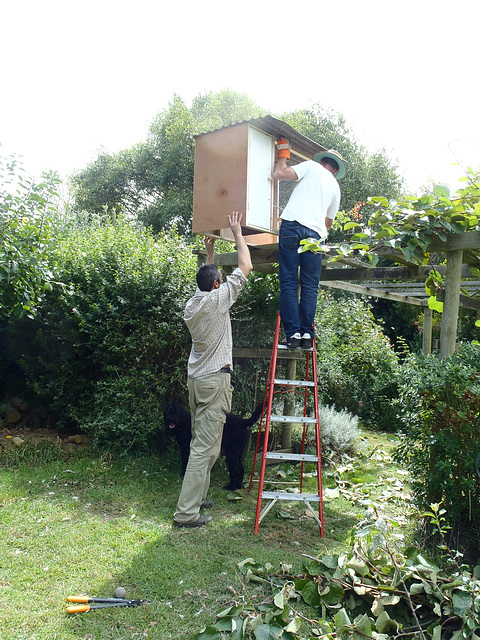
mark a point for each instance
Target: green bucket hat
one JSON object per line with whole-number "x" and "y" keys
{"x": 334, "y": 155}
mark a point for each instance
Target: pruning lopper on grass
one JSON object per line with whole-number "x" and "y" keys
{"x": 102, "y": 603}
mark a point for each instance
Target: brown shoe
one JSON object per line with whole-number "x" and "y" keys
{"x": 206, "y": 504}
{"x": 199, "y": 522}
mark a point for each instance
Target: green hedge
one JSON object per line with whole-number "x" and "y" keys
{"x": 109, "y": 346}
{"x": 439, "y": 405}
{"x": 357, "y": 365}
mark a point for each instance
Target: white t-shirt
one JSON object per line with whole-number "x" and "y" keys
{"x": 316, "y": 196}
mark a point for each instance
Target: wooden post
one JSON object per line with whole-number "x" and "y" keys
{"x": 427, "y": 331}
{"x": 289, "y": 406}
{"x": 451, "y": 297}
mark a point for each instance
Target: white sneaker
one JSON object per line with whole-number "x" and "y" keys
{"x": 306, "y": 341}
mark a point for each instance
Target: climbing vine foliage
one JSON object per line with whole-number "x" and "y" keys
{"x": 373, "y": 591}
{"x": 404, "y": 229}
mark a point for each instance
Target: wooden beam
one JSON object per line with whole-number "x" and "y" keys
{"x": 375, "y": 293}
{"x": 451, "y": 298}
{"x": 267, "y": 258}
{"x": 456, "y": 242}
{"x": 427, "y": 331}
{"x": 418, "y": 274}
{"x": 285, "y": 354}
{"x": 469, "y": 303}
{"x": 376, "y": 273}
{"x": 464, "y": 301}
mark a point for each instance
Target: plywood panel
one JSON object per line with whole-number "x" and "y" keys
{"x": 220, "y": 184}
{"x": 234, "y": 172}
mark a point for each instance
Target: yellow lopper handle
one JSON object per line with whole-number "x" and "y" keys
{"x": 79, "y": 609}
{"x": 77, "y": 599}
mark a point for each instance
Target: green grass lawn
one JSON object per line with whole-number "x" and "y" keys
{"x": 85, "y": 524}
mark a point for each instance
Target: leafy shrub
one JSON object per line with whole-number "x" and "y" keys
{"x": 374, "y": 589}
{"x": 25, "y": 231}
{"x": 439, "y": 406}
{"x": 339, "y": 430}
{"x": 356, "y": 362}
{"x": 253, "y": 327}
{"x": 108, "y": 350}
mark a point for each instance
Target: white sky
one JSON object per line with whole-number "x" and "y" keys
{"x": 79, "y": 76}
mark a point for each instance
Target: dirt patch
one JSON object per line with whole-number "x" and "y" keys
{"x": 21, "y": 425}
{"x": 14, "y": 437}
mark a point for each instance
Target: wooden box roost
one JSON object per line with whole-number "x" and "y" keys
{"x": 234, "y": 172}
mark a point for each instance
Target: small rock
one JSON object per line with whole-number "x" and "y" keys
{"x": 68, "y": 447}
{"x": 13, "y": 416}
{"x": 17, "y": 403}
{"x": 18, "y": 442}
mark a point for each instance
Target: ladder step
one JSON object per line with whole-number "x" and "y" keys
{"x": 292, "y": 457}
{"x": 307, "y": 387}
{"x": 283, "y": 347}
{"x": 297, "y": 497}
{"x": 296, "y": 383}
{"x": 293, "y": 419}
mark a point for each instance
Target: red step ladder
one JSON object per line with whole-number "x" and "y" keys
{"x": 307, "y": 388}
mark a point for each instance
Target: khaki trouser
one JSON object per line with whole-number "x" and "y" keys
{"x": 210, "y": 399}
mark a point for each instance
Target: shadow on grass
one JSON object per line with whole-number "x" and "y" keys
{"x": 108, "y": 523}
{"x": 144, "y": 487}
{"x": 188, "y": 574}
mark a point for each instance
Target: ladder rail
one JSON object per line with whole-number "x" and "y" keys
{"x": 304, "y": 433}
{"x": 318, "y": 442}
{"x": 305, "y": 388}
{"x": 273, "y": 367}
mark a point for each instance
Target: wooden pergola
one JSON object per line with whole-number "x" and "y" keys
{"x": 405, "y": 283}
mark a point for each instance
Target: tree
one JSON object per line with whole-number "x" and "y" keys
{"x": 164, "y": 169}
{"x": 367, "y": 174}
{"x": 212, "y": 110}
{"x": 154, "y": 180}
{"x": 25, "y": 230}
{"x": 103, "y": 185}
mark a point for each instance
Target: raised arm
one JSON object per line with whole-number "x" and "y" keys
{"x": 210, "y": 247}
{"x": 282, "y": 172}
{"x": 244, "y": 259}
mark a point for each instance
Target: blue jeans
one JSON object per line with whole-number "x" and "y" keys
{"x": 298, "y": 315}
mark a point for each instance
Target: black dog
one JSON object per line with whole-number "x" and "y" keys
{"x": 234, "y": 441}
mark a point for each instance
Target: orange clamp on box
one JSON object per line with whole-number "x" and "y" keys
{"x": 283, "y": 148}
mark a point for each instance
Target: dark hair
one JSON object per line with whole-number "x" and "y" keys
{"x": 331, "y": 162}
{"x": 206, "y": 276}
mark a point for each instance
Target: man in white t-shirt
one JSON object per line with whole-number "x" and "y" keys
{"x": 310, "y": 213}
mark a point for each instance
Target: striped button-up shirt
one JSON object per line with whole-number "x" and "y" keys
{"x": 208, "y": 319}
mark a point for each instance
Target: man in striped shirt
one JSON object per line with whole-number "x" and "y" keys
{"x": 209, "y": 367}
